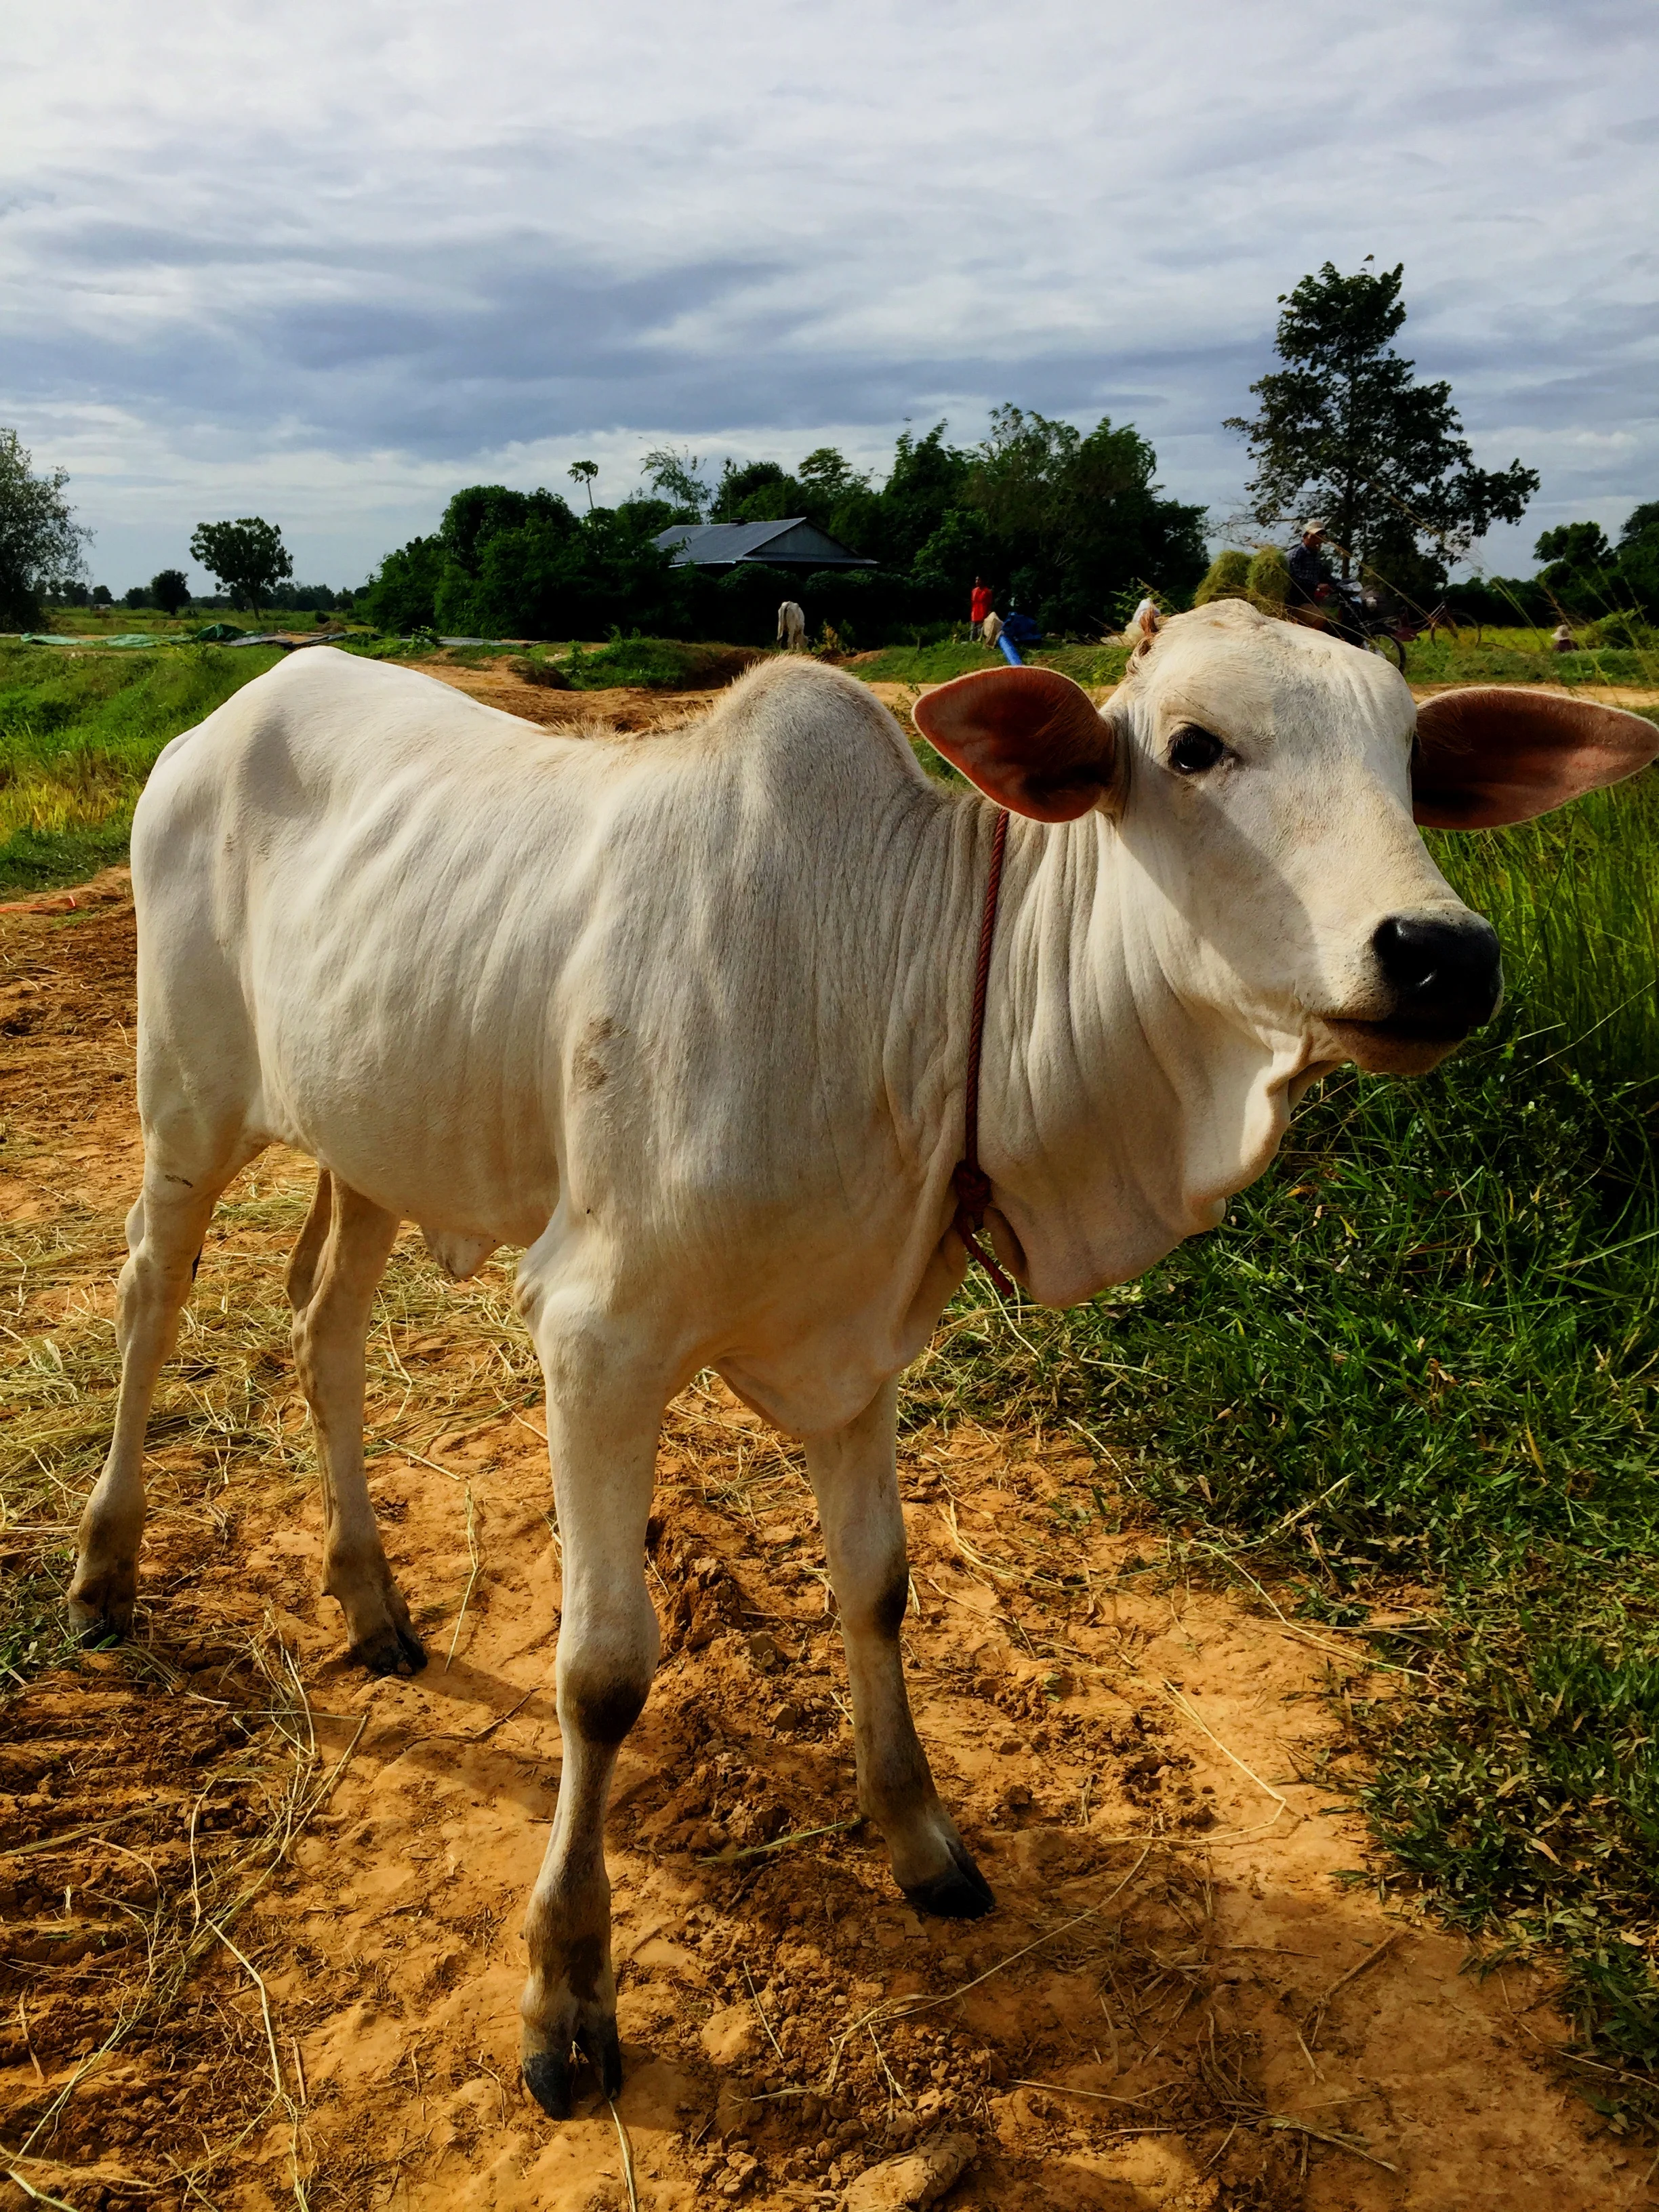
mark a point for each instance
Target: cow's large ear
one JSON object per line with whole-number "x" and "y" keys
{"x": 1027, "y": 736}
{"x": 1496, "y": 754}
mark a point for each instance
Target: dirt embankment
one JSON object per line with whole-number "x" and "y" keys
{"x": 262, "y": 1915}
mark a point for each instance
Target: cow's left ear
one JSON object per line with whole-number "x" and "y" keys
{"x": 1027, "y": 736}
{"x": 1496, "y": 754}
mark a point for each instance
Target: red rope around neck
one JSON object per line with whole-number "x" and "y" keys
{"x": 971, "y": 1183}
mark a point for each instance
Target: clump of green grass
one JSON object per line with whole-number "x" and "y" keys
{"x": 79, "y": 732}
{"x": 657, "y": 664}
{"x": 1521, "y": 655}
{"x": 936, "y": 663}
{"x": 1574, "y": 900}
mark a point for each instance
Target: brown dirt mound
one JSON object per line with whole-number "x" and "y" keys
{"x": 262, "y": 1916}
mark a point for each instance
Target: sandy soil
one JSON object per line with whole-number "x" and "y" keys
{"x": 1183, "y": 2002}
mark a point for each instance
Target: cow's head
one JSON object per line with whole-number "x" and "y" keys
{"x": 1265, "y": 782}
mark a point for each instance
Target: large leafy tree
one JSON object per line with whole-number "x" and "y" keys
{"x": 507, "y": 563}
{"x": 1073, "y": 519}
{"x": 1346, "y": 431}
{"x": 247, "y": 556}
{"x": 169, "y": 589}
{"x": 40, "y": 538}
{"x": 1578, "y": 560}
{"x": 1637, "y": 561}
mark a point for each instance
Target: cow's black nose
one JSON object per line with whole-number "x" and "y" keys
{"x": 1446, "y": 976}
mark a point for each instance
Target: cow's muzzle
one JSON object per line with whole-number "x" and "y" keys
{"x": 1438, "y": 979}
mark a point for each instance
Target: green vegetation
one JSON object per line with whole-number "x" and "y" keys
{"x": 247, "y": 556}
{"x": 653, "y": 664}
{"x": 79, "y": 732}
{"x": 1065, "y": 523}
{"x": 1089, "y": 664}
{"x": 40, "y": 538}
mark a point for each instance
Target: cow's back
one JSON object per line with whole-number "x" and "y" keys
{"x": 460, "y": 958}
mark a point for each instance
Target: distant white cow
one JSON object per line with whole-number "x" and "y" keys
{"x": 687, "y": 1020}
{"x": 792, "y": 628}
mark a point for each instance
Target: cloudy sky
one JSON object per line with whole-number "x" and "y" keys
{"x": 326, "y": 263}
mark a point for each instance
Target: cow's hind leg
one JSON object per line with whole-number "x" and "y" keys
{"x": 165, "y": 1230}
{"x": 332, "y": 1280}
{"x": 855, "y": 1480}
{"x": 604, "y": 1409}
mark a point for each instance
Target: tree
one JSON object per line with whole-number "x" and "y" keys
{"x": 1579, "y": 560}
{"x": 39, "y": 539}
{"x": 759, "y": 491}
{"x": 1638, "y": 557}
{"x": 102, "y": 596}
{"x": 169, "y": 589}
{"x": 1076, "y": 519}
{"x": 135, "y": 595}
{"x": 675, "y": 477}
{"x": 583, "y": 472}
{"x": 247, "y": 556}
{"x": 1345, "y": 432}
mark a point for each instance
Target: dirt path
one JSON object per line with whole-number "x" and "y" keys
{"x": 629, "y": 707}
{"x": 1183, "y": 2002}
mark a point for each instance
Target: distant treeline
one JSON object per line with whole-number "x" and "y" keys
{"x": 284, "y": 599}
{"x": 1585, "y": 579}
{"x": 1066, "y": 524}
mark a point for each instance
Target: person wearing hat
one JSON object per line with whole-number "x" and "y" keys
{"x": 1312, "y": 584}
{"x": 1315, "y": 596}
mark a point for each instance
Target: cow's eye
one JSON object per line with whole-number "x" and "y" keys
{"x": 1194, "y": 750}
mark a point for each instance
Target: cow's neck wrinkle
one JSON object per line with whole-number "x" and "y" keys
{"x": 1117, "y": 1116}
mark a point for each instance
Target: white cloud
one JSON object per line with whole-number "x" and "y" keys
{"x": 328, "y": 264}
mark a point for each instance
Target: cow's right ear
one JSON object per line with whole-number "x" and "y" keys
{"x": 1494, "y": 754}
{"x": 1027, "y": 736}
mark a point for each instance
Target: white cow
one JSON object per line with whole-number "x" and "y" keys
{"x": 687, "y": 1020}
{"x": 792, "y": 627}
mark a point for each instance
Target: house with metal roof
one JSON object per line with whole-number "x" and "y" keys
{"x": 796, "y": 543}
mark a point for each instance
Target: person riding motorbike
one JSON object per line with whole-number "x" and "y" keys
{"x": 1315, "y": 589}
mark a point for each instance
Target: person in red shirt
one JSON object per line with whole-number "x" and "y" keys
{"x": 979, "y": 605}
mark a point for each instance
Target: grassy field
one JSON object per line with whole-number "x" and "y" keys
{"x": 79, "y": 732}
{"x": 1412, "y": 1380}
{"x": 1516, "y": 656}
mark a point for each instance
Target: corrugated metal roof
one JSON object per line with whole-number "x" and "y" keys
{"x": 794, "y": 542}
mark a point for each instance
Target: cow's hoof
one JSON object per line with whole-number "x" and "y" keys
{"x": 547, "y": 2077}
{"x": 961, "y": 1892}
{"x": 390, "y": 1651}
{"x": 549, "y": 2074}
{"x": 101, "y": 1605}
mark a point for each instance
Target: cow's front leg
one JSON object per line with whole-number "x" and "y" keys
{"x": 165, "y": 1230}
{"x": 604, "y": 1410}
{"x": 855, "y": 1481}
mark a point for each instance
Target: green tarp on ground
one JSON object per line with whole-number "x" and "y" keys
{"x": 128, "y": 638}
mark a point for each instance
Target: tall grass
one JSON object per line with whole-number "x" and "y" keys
{"x": 79, "y": 732}
{"x": 1574, "y": 897}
